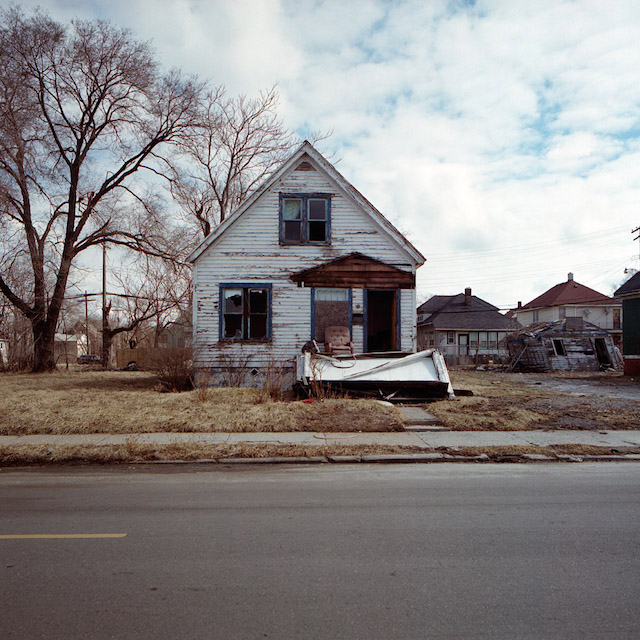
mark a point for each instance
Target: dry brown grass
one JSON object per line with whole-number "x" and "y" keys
{"x": 512, "y": 402}
{"x": 135, "y": 452}
{"x": 130, "y": 402}
{"x": 132, "y": 452}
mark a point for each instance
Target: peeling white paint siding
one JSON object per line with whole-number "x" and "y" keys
{"x": 408, "y": 332}
{"x": 249, "y": 252}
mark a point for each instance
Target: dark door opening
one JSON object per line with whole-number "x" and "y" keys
{"x": 381, "y": 321}
{"x": 602, "y": 352}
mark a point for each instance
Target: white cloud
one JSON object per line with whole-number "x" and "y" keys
{"x": 508, "y": 128}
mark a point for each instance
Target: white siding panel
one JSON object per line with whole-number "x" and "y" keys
{"x": 408, "y": 336}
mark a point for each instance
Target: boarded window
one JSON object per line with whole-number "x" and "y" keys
{"x": 331, "y": 308}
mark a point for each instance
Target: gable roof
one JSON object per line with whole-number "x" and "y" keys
{"x": 569, "y": 292}
{"x": 452, "y": 313}
{"x": 630, "y": 287}
{"x": 307, "y": 149}
{"x": 355, "y": 270}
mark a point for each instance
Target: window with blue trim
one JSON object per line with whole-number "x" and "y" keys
{"x": 305, "y": 218}
{"x": 245, "y": 312}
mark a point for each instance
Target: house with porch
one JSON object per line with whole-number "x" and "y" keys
{"x": 464, "y": 328}
{"x": 304, "y": 253}
{"x": 629, "y": 293}
{"x": 571, "y": 299}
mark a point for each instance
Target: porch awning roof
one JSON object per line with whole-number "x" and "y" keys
{"x": 358, "y": 271}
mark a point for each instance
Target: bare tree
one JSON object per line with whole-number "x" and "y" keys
{"x": 236, "y": 143}
{"x": 155, "y": 290}
{"x": 83, "y": 110}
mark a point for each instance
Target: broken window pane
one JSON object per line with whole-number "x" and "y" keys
{"x": 258, "y": 327}
{"x": 232, "y": 326}
{"x": 245, "y": 313}
{"x": 258, "y": 301}
{"x": 233, "y": 300}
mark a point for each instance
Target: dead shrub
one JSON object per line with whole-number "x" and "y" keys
{"x": 201, "y": 385}
{"x": 174, "y": 368}
{"x": 234, "y": 368}
{"x": 273, "y": 387}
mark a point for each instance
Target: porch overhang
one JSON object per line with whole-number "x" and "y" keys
{"x": 357, "y": 271}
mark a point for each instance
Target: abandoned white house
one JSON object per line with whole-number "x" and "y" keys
{"x": 571, "y": 299}
{"x": 304, "y": 252}
{"x": 464, "y": 328}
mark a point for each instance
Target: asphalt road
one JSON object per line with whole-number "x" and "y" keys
{"x": 366, "y": 551}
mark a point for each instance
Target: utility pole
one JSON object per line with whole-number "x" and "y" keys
{"x": 637, "y": 229}
{"x": 86, "y": 318}
{"x": 105, "y": 311}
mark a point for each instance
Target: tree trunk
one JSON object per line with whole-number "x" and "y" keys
{"x": 44, "y": 337}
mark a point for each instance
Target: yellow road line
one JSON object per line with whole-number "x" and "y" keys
{"x": 47, "y": 536}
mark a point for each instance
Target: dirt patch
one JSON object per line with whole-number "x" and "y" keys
{"x": 520, "y": 401}
{"x": 67, "y": 402}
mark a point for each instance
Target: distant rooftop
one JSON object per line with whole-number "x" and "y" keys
{"x": 631, "y": 286}
{"x": 464, "y": 312}
{"x": 569, "y": 292}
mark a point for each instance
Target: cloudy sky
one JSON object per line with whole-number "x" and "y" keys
{"x": 501, "y": 136}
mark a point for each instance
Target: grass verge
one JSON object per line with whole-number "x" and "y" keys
{"x": 134, "y": 452}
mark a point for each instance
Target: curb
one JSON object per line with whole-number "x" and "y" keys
{"x": 399, "y": 458}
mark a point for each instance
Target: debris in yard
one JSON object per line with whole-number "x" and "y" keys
{"x": 565, "y": 345}
{"x": 395, "y": 377}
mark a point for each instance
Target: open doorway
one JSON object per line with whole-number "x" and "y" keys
{"x": 381, "y": 320}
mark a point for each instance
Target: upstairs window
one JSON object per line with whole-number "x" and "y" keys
{"x": 245, "y": 312}
{"x": 305, "y": 218}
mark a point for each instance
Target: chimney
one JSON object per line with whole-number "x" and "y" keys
{"x": 519, "y": 304}
{"x": 467, "y": 296}
{"x": 570, "y": 276}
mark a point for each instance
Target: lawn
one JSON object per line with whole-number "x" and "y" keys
{"x": 81, "y": 401}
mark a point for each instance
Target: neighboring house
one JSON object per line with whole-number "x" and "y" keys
{"x": 571, "y": 344}
{"x": 629, "y": 292}
{"x": 464, "y": 328}
{"x": 65, "y": 348}
{"x": 304, "y": 252}
{"x": 573, "y": 300}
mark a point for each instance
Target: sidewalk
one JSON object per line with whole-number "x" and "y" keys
{"x": 421, "y": 440}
